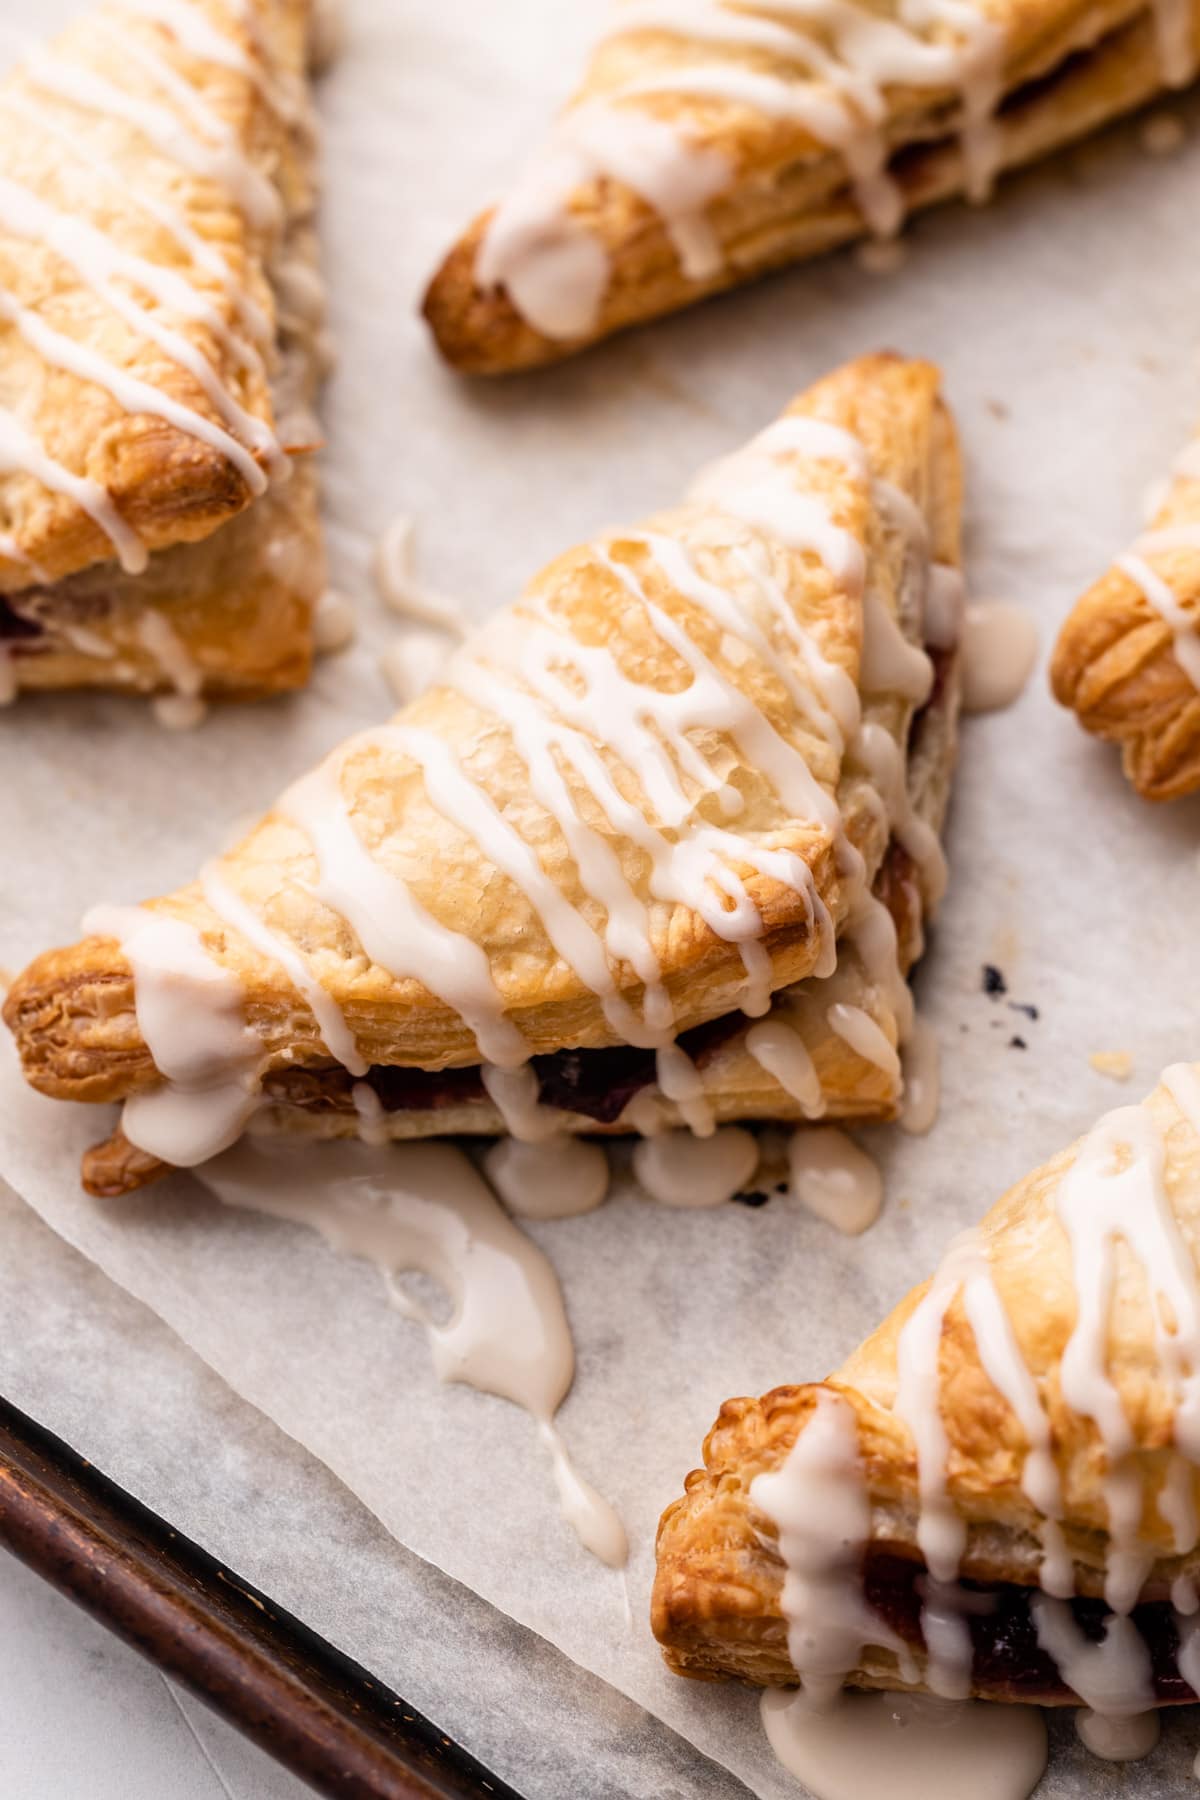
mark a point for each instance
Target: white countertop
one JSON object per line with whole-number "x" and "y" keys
{"x": 82, "y": 1717}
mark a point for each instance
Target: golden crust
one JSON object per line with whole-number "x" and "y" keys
{"x": 1068, "y": 70}
{"x": 1115, "y": 663}
{"x": 235, "y": 610}
{"x": 72, "y": 1011}
{"x": 172, "y": 488}
{"x": 225, "y": 603}
{"x": 716, "y": 1604}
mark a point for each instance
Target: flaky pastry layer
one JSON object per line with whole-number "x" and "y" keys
{"x": 1116, "y": 663}
{"x": 224, "y": 605}
{"x": 1068, "y": 69}
{"x": 717, "y": 1596}
{"x": 74, "y": 1010}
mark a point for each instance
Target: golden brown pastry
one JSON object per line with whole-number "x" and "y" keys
{"x": 711, "y": 141}
{"x": 1128, "y": 658}
{"x": 688, "y": 788}
{"x": 160, "y": 316}
{"x": 1009, "y": 1461}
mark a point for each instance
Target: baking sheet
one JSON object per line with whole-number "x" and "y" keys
{"x": 97, "y": 1367}
{"x": 1064, "y": 317}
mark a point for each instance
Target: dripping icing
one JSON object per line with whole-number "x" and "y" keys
{"x": 423, "y": 1207}
{"x": 557, "y": 273}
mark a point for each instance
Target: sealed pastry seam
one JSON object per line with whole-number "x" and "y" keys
{"x": 710, "y": 143}
{"x": 160, "y": 343}
{"x": 661, "y": 847}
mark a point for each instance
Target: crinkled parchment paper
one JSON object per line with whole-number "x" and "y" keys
{"x": 1065, "y": 318}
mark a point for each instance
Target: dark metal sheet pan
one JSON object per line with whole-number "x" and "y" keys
{"x": 318, "y": 1712}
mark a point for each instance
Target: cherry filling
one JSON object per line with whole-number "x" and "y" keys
{"x": 1007, "y": 1660}
{"x": 598, "y": 1084}
{"x": 14, "y": 628}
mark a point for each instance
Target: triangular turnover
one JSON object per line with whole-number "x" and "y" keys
{"x": 658, "y": 850}
{"x": 996, "y": 1494}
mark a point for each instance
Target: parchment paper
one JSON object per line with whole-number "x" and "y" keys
{"x": 1064, "y": 317}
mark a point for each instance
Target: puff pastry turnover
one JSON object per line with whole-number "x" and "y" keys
{"x": 160, "y": 336}
{"x": 1128, "y": 658}
{"x": 996, "y": 1494}
{"x": 712, "y": 140}
{"x": 659, "y": 850}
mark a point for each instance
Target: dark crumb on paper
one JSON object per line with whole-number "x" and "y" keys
{"x": 752, "y": 1199}
{"x": 1017, "y": 1043}
{"x": 994, "y": 983}
{"x": 1023, "y": 1006}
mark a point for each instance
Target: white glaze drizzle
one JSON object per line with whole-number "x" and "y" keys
{"x": 161, "y": 640}
{"x": 191, "y": 1015}
{"x": 129, "y": 391}
{"x": 1113, "y": 1675}
{"x": 334, "y": 622}
{"x": 196, "y": 33}
{"x": 1158, "y": 593}
{"x": 883, "y": 759}
{"x": 550, "y": 715}
{"x": 907, "y": 1747}
{"x": 941, "y": 1530}
{"x": 556, "y": 723}
{"x": 414, "y": 663}
{"x": 392, "y": 567}
{"x": 99, "y": 263}
{"x": 515, "y": 1095}
{"x": 864, "y": 1036}
{"x": 199, "y": 250}
{"x": 921, "y": 1063}
{"x": 556, "y": 272}
{"x": 210, "y": 152}
{"x": 242, "y": 438}
{"x": 679, "y": 1169}
{"x": 391, "y": 925}
{"x": 1117, "y": 1179}
{"x": 21, "y": 453}
{"x": 1114, "y": 1190}
{"x": 466, "y": 804}
{"x": 834, "y": 1178}
{"x": 179, "y": 712}
{"x": 557, "y": 1178}
{"x": 423, "y": 1207}
{"x": 371, "y": 1115}
{"x": 819, "y": 1503}
{"x": 233, "y": 910}
{"x": 680, "y": 1081}
{"x": 1125, "y": 1739}
{"x": 1000, "y": 646}
{"x": 781, "y": 1050}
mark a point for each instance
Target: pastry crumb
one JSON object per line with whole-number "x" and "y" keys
{"x": 1117, "y": 1065}
{"x": 1162, "y": 135}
